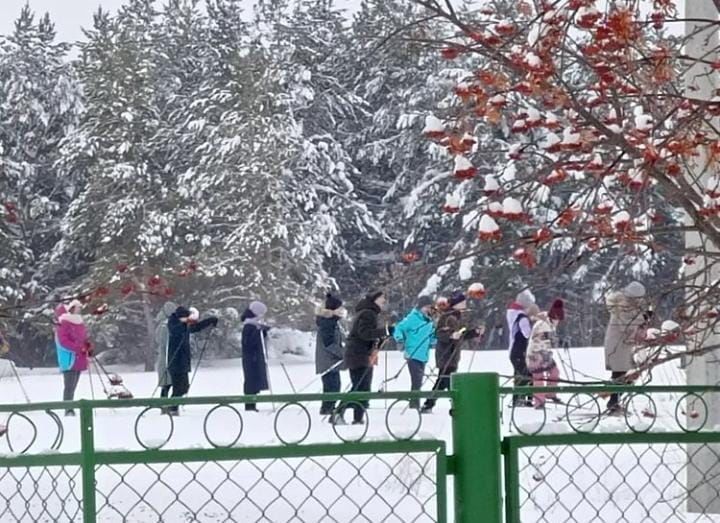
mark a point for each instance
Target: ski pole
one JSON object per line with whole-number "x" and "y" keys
{"x": 98, "y": 368}
{"x": 287, "y": 375}
{"x": 200, "y": 357}
{"x": 20, "y": 383}
{"x": 92, "y": 388}
{"x": 267, "y": 366}
{"x": 386, "y": 372}
{"x": 319, "y": 376}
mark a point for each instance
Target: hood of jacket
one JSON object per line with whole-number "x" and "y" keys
{"x": 166, "y": 311}
{"x": 416, "y": 318}
{"x": 59, "y": 311}
{"x": 322, "y": 312}
{"x": 69, "y": 317}
{"x": 366, "y": 304}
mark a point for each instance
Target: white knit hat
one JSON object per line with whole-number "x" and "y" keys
{"x": 525, "y": 298}
{"x": 73, "y": 304}
{"x": 634, "y": 289}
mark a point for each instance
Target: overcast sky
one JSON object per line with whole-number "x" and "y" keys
{"x": 70, "y": 15}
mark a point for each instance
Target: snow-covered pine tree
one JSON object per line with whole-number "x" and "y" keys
{"x": 313, "y": 111}
{"x": 133, "y": 228}
{"x": 39, "y": 107}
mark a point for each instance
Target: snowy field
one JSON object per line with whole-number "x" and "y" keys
{"x": 556, "y": 484}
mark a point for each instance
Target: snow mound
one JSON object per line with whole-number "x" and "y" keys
{"x": 283, "y": 342}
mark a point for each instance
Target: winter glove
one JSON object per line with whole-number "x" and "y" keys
{"x": 374, "y": 358}
{"x": 213, "y": 321}
{"x": 390, "y": 330}
{"x": 458, "y": 334}
{"x": 473, "y": 333}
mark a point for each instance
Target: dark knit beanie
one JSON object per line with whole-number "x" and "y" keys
{"x": 332, "y": 302}
{"x": 182, "y": 312}
{"x": 374, "y": 295}
{"x": 456, "y": 297}
{"x": 557, "y": 310}
{"x": 424, "y": 301}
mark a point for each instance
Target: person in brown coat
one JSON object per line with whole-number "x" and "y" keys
{"x": 452, "y": 332}
{"x": 626, "y": 317}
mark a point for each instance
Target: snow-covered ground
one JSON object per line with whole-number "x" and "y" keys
{"x": 556, "y": 484}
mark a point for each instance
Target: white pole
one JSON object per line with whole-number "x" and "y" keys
{"x": 700, "y": 81}
{"x": 267, "y": 364}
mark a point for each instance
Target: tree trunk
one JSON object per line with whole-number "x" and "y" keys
{"x": 703, "y": 471}
{"x": 149, "y": 329}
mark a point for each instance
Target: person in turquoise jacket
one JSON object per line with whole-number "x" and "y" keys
{"x": 416, "y": 334}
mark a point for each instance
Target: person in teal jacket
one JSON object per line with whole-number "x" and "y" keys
{"x": 416, "y": 334}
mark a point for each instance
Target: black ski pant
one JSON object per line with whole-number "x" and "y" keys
{"x": 361, "y": 382}
{"x": 417, "y": 372}
{"x": 331, "y": 385}
{"x": 442, "y": 383}
{"x": 521, "y": 375}
{"x": 70, "y": 383}
{"x": 180, "y": 386}
{"x": 617, "y": 377}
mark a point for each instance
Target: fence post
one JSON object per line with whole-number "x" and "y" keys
{"x": 87, "y": 448}
{"x": 477, "y": 447}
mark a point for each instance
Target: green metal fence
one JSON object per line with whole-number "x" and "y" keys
{"x": 659, "y": 462}
{"x": 57, "y": 469}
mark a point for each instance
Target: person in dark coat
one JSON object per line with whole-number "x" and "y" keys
{"x": 519, "y": 328}
{"x": 180, "y": 326}
{"x": 362, "y": 346}
{"x": 254, "y": 335}
{"x": 452, "y": 332}
{"x": 329, "y": 351}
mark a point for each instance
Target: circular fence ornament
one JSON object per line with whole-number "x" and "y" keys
{"x": 349, "y": 406}
{"x": 216, "y": 408}
{"x": 404, "y": 417}
{"x": 8, "y": 423}
{"x": 153, "y": 445}
{"x": 537, "y": 430}
{"x": 588, "y": 406}
{"x": 60, "y": 435}
{"x": 308, "y": 422}
{"x": 642, "y": 405}
{"x": 693, "y": 409}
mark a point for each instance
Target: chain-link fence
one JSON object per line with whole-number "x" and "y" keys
{"x": 41, "y": 493}
{"x": 617, "y": 483}
{"x": 133, "y": 461}
{"x": 387, "y": 487}
{"x": 654, "y": 458}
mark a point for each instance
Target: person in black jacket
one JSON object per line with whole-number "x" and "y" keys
{"x": 452, "y": 333}
{"x": 362, "y": 346}
{"x": 329, "y": 351}
{"x": 180, "y": 326}
{"x": 254, "y": 334}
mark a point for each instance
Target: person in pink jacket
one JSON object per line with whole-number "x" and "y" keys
{"x": 73, "y": 347}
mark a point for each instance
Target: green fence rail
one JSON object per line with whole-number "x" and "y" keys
{"x": 63, "y": 469}
{"x": 659, "y": 461}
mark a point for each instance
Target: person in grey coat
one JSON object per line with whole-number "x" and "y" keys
{"x": 161, "y": 342}
{"x": 329, "y": 349}
{"x": 626, "y": 310}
